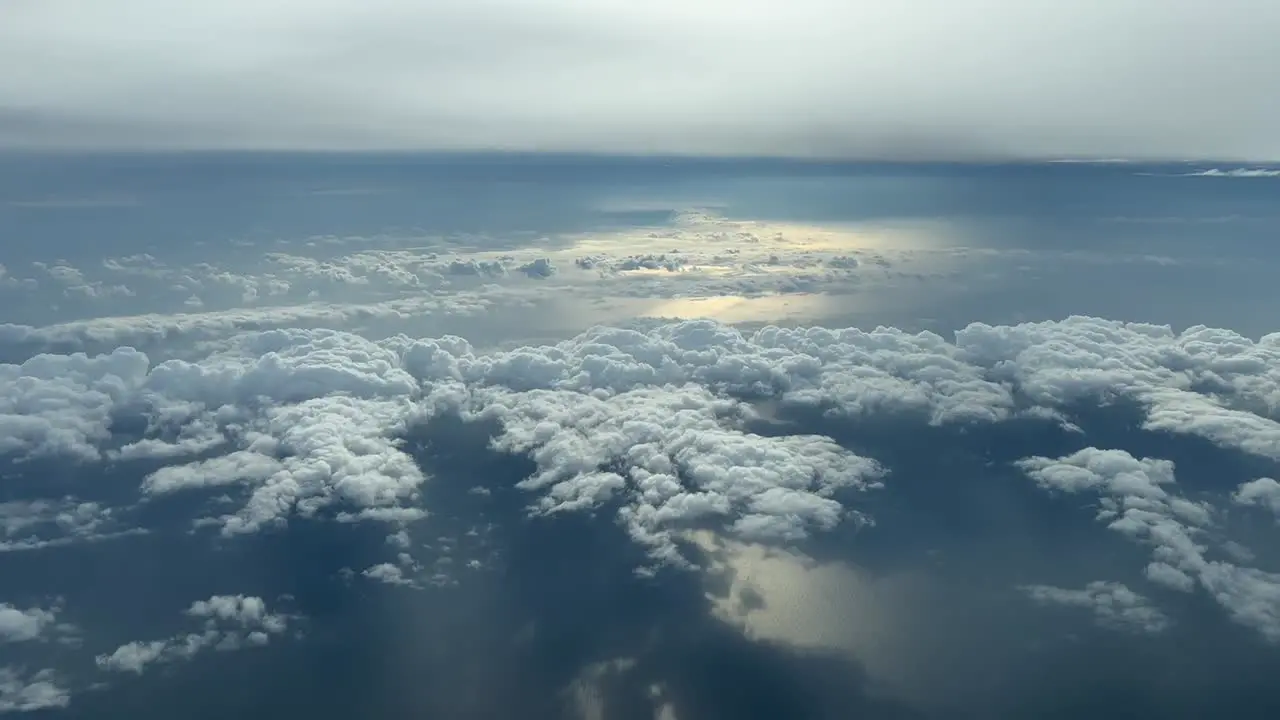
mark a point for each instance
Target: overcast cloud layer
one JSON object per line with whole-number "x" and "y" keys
{"x": 934, "y": 78}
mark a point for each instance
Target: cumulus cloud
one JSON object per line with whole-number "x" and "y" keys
{"x": 1209, "y": 382}
{"x": 1113, "y": 605}
{"x": 17, "y": 625}
{"x": 230, "y": 622}
{"x": 987, "y": 77}
{"x": 1138, "y": 499}
{"x": 632, "y": 263}
{"x": 21, "y": 692}
{"x": 328, "y": 405}
{"x": 669, "y": 431}
{"x": 62, "y": 404}
{"x": 651, "y": 421}
{"x": 238, "y": 466}
{"x": 389, "y": 574}
{"x": 539, "y": 268}
{"x": 674, "y": 459}
{"x": 476, "y": 267}
{"x": 1263, "y": 492}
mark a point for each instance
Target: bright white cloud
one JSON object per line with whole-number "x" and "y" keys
{"x": 389, "y": 574}
{"x": 673, "y": 457}
{"x": 62, "y": 404}
{"x": 807, "y": 77}
{"x": 647, "y": 419}
{"x": 1138, "y": 500}
{"x": 230, "y": 622}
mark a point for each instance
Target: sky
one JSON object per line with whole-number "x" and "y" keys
{"x": 934, "y": 79}
{"x": 565, "y": 427}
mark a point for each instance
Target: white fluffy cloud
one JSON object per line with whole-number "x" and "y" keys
{"x": 62, "y": 404}
{"x": 1113, "y": 604}
{"x": 807, "y": 77}
{"x": 661, "y": 428}
{"x": 389, "y": 574}
{"x": 1139, "y": 500}
{"x": 649, "y": 419}
{"x": 1263, "y": 492}
{"x": 1203, "y": 381}
{"x": 673, "y": 457}
{"x": 230, "y": 622}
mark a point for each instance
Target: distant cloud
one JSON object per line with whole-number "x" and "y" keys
{"x": 1238, "y": 173}
{"x": 1002, "y": 78}
{"x": 20, "y": 692}
{"x": 388, "y": 574}
{"x": 22, "y": 625}
{"x": 538, "y": 268}
{"x": 27, "y": 525}
{"x": 230, "y": 623}
{"x": 1138, "y": 500}
{"x": 1113, "y": 604}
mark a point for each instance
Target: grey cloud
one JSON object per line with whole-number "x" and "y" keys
{"x": 9, "y": 282}
{"x": 20, "y": 692}
{"x": 1113, "y": 604}
{"x": 221, "y": 323}
{"x": 539, "y": 268}
{"x": 1165, "y": 574}
{"x": 18, "y": 625}
{"x": 812, "y": 77}
{"x": 475, "y": 267}
{"x": 27, "y": 525}
{"x": 1263, "y": 492}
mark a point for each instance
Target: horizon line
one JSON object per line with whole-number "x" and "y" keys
{"x": 597, "y": 156}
